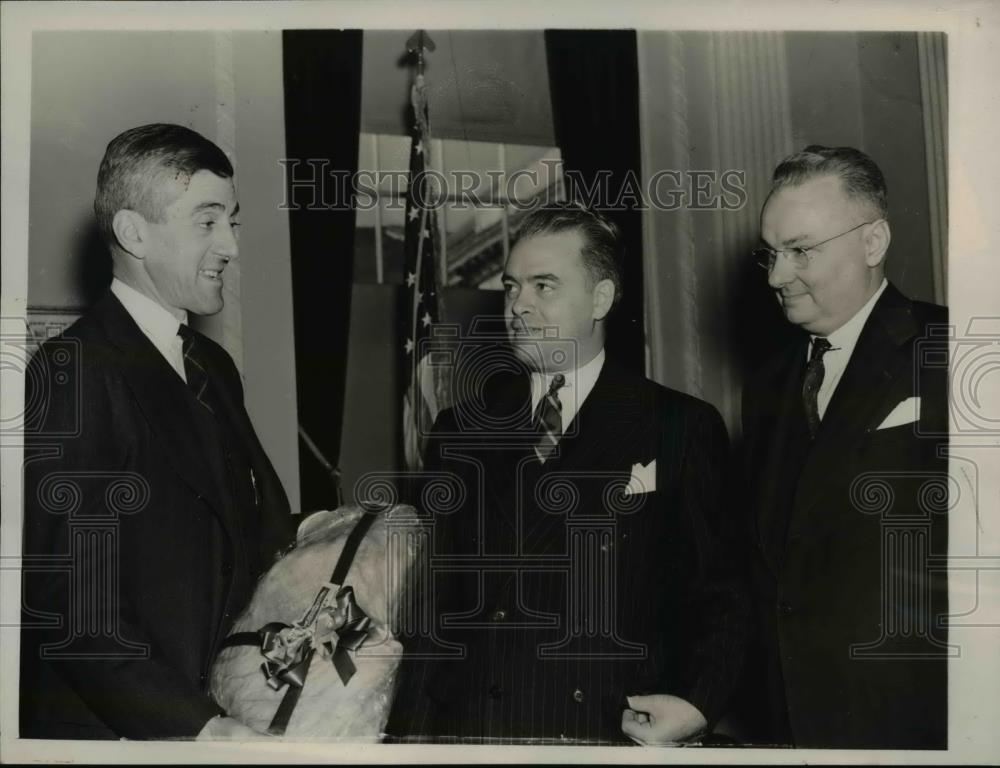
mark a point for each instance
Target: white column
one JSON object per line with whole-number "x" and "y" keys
{"x": 228, "y": 324}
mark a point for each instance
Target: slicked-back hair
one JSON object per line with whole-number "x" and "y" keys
{"x": 601, "y": 251}
{"x": 139, "y": 163}
{"x": 861, "y": 177}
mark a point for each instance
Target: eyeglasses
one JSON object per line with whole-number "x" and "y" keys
{"x": 766, "y": 258}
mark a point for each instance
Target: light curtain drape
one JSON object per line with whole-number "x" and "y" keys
{"x": 741, "y": 101}
{"x": 712, "y": 102}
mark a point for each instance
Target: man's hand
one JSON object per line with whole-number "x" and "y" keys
{"x": 221, "y": 728}
{"x": 660, "y": 720}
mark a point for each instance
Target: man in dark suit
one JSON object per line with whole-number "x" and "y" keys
{"x": 587, "y": 591}
{"x": 150, "y": 506}
{"x": 843, "y": 436}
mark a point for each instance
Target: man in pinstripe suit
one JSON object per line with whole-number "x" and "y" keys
{"x": 589, "y": 594}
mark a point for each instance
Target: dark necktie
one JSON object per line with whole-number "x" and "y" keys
{"x": 194, "y": 369}
{"x": 548, "y": 419}
{"x": 813, "y": 381}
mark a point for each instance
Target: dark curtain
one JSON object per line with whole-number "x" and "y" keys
{"x": 594, "y": 83}
{"x": 322, "y": 79}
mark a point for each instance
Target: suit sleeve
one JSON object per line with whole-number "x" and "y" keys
{"x": 137, "y": 698}
{"x": 716, "y": 604}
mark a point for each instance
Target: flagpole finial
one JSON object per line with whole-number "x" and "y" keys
{"x": 417, "y": 44}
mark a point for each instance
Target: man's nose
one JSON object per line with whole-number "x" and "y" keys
{"x": 520, "y": 305}
{"x": 226, "y": 243}
{"x": 782, "y": 273}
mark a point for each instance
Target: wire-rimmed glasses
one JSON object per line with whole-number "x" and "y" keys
{"x": 766, "y": 258}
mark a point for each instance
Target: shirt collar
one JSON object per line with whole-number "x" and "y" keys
{"x": 581, "y": 380}
{"x": 846, "y": 336}
{"x": 148, "y": 315}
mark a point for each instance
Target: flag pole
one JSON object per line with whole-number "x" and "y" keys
{"x": 419, "y": 405}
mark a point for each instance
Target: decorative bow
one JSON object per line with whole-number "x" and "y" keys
{"x": 341, "y": 629}
{"x": 336, "y": 627}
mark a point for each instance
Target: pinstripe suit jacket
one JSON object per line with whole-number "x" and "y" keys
{"x": 555, "y": 594}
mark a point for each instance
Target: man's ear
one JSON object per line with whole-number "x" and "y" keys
{"x": 877, "y": 243}
{"x": 131, "y": 231}
{"x": 604, "y": 298}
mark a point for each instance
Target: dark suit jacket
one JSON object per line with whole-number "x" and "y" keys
{"x": 842, "y": 529}
{"x": 564, "y": 594}
{"x": 138, "y": 549}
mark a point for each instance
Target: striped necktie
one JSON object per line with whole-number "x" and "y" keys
{"x": 194, "y": 370}
{"x": 815, "y": 371}
{"x": 548, "y": 419}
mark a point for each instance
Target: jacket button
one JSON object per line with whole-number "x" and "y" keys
{"x": 495, "y": 691}
{"x": 499, "y": 615}
{"x": 577, "y": 695}
{"x": 785, "y": 608}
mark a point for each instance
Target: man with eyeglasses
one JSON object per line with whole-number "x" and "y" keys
{"x": 843, "y": 435}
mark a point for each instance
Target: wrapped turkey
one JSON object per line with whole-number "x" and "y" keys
{"x": 350, "y": 631}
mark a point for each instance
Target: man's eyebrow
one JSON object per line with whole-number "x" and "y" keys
{"x": 209, "y": 206}
{"x": 546, "y": 276}
{"x": 789, "y": 241}
{"x": 214, "y": 206}
{"x": 795, "y": 240}
{"x": 541, "y": 276}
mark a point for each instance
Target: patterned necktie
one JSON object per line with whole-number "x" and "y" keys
{"x": 813, "y": 381}
{"x": 194, "y": 370}
{"x": 548, "y": 419}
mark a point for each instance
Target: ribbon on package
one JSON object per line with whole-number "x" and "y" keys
{"x": 334, "y": 624}
{"x": 337, "y": 629}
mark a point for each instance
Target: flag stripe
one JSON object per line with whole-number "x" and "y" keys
{"x": 425, "y": 390}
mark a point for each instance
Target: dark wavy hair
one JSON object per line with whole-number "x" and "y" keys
{"x": 138, "y": 163}
{"x": 602, "y": 248}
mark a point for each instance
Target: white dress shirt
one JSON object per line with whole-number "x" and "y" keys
{"x": 159, "y": 326}
{"x": 578, "y": 385}
{"x": 842, "y": 341}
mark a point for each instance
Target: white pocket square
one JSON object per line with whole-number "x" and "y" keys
{"x": 906, "y": 412}
{"x": 643, "y": 479}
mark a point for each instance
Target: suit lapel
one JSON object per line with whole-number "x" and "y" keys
{"x": 860, "y": 398}
{"x": 163, "y": 399}
{"x": 782, "y": 455}
{"x": 607, "y": 427}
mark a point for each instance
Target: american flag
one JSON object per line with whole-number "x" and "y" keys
{"x": 425, "y": 385}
